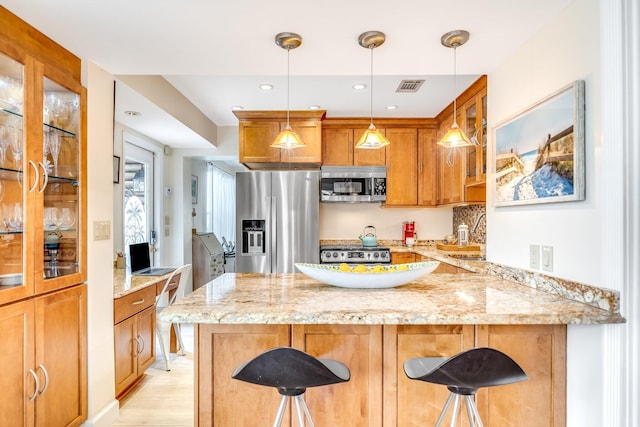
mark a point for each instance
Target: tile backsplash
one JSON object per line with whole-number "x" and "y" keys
{"x": 468, "y": 215}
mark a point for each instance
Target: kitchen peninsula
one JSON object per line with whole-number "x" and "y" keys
{"x": 373, "y": 332}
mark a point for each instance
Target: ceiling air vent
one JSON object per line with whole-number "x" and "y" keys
{"x": 409, "y": 86}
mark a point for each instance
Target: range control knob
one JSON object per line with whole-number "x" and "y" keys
{"x": 376, "y": 255}
{"x": 335, "y": 254}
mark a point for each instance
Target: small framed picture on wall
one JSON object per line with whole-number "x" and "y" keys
{"x": 194, "y": 189}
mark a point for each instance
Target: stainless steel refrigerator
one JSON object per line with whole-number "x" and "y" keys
{"x": 277, "y": 217}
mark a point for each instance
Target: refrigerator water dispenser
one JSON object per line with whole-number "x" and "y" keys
{"x": 253, "y": 236}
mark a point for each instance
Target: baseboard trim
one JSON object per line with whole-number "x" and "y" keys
{"x": 107, "y": 416}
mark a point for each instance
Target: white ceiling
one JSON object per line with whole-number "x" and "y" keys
{"x": 217, "y": 53}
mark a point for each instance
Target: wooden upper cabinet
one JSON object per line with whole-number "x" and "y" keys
{"x": 338, "y": 148}
{"x": 427, "y": 170}
{"x": 258, "y": 129}
{"x": 402, "y": 167}
{"x": 462, "y": 170}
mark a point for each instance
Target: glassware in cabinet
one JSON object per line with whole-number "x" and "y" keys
{"x": 60, "y": 157}
{"x": 12, "y": 204}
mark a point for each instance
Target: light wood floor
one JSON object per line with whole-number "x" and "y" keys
{"x": 163, "y": 398}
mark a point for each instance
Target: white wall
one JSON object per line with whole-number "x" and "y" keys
{"x": 347, "y": 221}
{"x": 103, "y": 408}
{"x": 565, "y": 50}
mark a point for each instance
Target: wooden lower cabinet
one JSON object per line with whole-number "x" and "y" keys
{"x": 379, "y": 394}
{"x": 416, "y": 403}
{"x": 357, "y": 403}
{"x": 541, "y": 352}
{"x": 222, "y": 401}
{"x": 47, "y": 336}
{"x": 134, "y": 336}
{"x": 402, "y": 257}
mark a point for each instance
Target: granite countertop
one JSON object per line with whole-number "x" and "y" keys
{"x": 464, "y": 298}
{"x": 124, "y": 283}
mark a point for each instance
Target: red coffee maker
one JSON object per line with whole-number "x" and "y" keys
{"x": 408, "y": 231}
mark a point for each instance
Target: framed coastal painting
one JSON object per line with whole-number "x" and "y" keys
{"x": 539, "y": 153}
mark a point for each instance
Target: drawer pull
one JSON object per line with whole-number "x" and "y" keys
{"x": 138, "y": 302}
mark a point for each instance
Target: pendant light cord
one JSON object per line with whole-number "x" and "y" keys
{"x": 288, "y": 50}
{"x": 371, "y": 85}
{"x": 455, "y": 86}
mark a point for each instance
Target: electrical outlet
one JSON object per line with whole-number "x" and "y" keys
{"x": 534, "y": 256}
{"x": 547, "y": 258}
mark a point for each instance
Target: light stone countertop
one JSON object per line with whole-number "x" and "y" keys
{"x": 124, "y": 283}
{"x": 248, "y": 298}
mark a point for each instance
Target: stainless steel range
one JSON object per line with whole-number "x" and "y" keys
{"x": 355, "y": 255}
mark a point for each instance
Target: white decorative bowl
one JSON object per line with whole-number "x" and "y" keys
{"x": 387, "y": 276}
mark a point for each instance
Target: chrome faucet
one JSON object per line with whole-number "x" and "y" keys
{"x": 477, "y": 221}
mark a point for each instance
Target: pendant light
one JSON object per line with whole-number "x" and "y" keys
{"x": 287, "y": 138}
{"x": 372, "y": 137}
{"x": 455, "y": 137}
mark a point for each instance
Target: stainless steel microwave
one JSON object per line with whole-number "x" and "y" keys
{"x": 353, "y": 184}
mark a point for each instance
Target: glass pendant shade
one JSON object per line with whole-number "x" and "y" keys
{"x": 372, "y": 138}
{"x": 455, "y": 137}
{"x": 287, "y": 139}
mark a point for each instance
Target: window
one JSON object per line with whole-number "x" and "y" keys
{"x": 221, "y": 203}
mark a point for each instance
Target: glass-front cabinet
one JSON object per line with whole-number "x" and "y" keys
{"x": 41, "y": 161}
{"x": 12, "y": 196}
{"x": 475, "y": 126}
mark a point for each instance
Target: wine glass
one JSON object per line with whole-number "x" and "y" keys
{"x": 4, "y": 143}
{"x": 67, "y": 218}
{"x": 51, "y": 218}
{"x": 16, "y": 145}
{"x": 54, "y": 149}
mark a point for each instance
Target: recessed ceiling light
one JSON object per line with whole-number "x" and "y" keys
{"x": 237, "y": 108}
{"x": 132, "y": 113}
{"x": 359, "y": 86}
{"x": 314, "y": 107}
{"x": 266, "y": 86}
{"x": 392, "y": 107}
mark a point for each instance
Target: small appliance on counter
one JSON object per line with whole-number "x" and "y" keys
{"x": 408, "y": 233}
{"x": 368, "y": 237}
{"x": 354, "y": 255}
{"x": 208, "y": 258}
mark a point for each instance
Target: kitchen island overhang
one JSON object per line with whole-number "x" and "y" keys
{"x": 438, "y": 299}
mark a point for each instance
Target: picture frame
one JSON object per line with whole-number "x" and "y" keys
{"x": 116, "y": 169}
{"x": 194, "y": 190}
{"x": 539, "y": 152}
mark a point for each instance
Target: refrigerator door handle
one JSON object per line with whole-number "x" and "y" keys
{"x": 273, "y": 230}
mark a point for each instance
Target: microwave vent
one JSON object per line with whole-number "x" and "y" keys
{"x": 409, "y": 86}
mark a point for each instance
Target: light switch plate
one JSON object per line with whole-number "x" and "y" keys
{"x": 534, "y": 256}
{"x": 547, "y": 258}
{"x": 101, "y": 230}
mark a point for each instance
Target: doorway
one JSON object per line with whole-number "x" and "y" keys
{"x": 138, "y": 203}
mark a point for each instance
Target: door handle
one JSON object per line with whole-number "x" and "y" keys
{"x": 46, "y": 379}
{"x": 142, "y": 344}
{"x": 35, "y": 391}
{"x": 45, "y": 177}
{"x": 35, "y": 169}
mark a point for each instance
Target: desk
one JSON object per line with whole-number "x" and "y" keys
{"x": 134, "y": 325}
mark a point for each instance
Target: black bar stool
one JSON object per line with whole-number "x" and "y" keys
{"x": 464, "y": 374}
{"x": 291, "y": 371}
